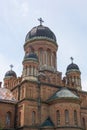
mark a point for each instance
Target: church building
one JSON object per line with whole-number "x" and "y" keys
{"x": 41, "y": 98}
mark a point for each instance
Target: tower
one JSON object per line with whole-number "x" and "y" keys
{"x": 30, "y": 66}
{"x": 44, "y": 43}
{"x": 73, "y": 76}
{"x": 9, "y": 78}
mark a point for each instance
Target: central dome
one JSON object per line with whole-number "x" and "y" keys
{"x": 40, "y": 32}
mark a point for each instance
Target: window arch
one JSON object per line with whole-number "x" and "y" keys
{"x": 66, "y": 117}
{"x": 58, "y": 117}
{"x": 75, "y": 117}
{"x": 33, "y": 117}
{"x": 8, "y": 119}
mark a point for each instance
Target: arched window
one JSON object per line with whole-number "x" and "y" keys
{"x": 30, "y": 70}
{"x": 58, "y": 117}
{"x": 49, "y": 57}
{"x": 8, "y": 119}
{"x": 26, "y": 70}
{"x": 83, "y": 123}
{"x": 20, "y": 118}
{"x": 33, "y": 117}
{"x": 33, "y": 70}
{"x": 75, "y": 117}
{"x": 54, "y": 59}
{"x": 40, "y": 56}
{"x": 66, "y": 117}
{"x": 30, "y": 93}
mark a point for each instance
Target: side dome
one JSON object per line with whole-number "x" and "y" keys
{"x": 10, "y": 74}
{"x": 72, "y": 67}
{"x": 63, "y": 93}
{"x": 40, "y": 32}
{"x": 31, "y": 56}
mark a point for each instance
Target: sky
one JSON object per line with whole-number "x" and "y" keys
{"x": 66, "y": 18}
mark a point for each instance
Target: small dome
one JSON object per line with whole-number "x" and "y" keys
{"x": 31, "y": 56}
{"x": 5, "y": 94}
{"x": 72, "y": 67}
{"x": 10, "y": 73}
{"x": 40, "y": 32}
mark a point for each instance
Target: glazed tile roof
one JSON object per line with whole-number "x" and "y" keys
{"x": 5, "y": 94}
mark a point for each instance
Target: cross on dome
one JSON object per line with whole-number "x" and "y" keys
{"x": 11, "y": 66}
{"x": 72, "y": 59}
{"x": 40, "y": 20}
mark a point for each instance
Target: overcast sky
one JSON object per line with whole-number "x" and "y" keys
{"x": 66, "y": 18}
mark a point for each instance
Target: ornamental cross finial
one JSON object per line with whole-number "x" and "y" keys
{"x": 11, "y": 66}
{"x": 40, "y": 20}
{"x": 72, "y": 59}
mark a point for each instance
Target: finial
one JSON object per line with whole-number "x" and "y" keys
{"x": 40, "y": 20}
{"x": 72, "y": 59}
{"x": 11, "y": 66}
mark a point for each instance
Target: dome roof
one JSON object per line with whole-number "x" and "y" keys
{"x": 40, "y": 32}
{"x": 72, "y": 66}
{"x": 30, "y": 56}
{"x": 5, "y": 94}
{"x": 10, "y": 73}
{"x": 64, "y": 93}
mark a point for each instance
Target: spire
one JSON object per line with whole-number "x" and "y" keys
{"x": 40, "y": 20}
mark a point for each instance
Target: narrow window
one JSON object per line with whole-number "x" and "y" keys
{"x": 8, "y": 119}
{"x": 75, "y": 117}
{"x": 41, "y": 56}
{"x": 83, "y": 123}
{"x": 54, "y": 59}
{"x": 49, "y": 57}
{"x": 30, "y": 70}
{"x": 66, "y": 117}
{"x": 19, "y": 118}
{"x": 33, "y": 117}
{"x": 58, "y": 117}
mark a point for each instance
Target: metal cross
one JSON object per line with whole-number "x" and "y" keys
{"x": 72, "y": 59}
{"x": 40, "y": 20}
{"x": 11, "y": 66}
